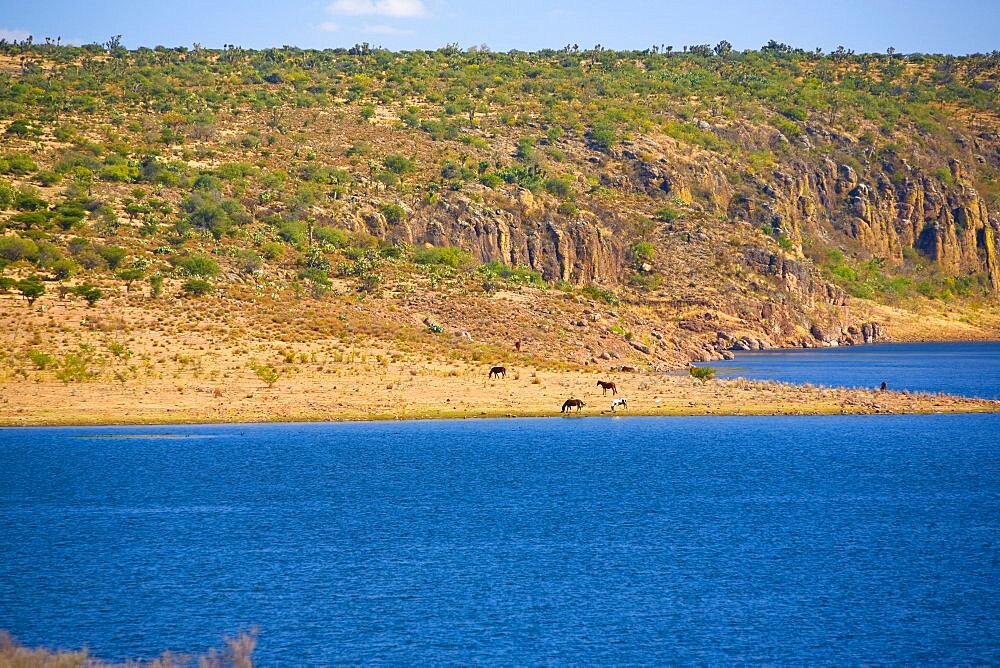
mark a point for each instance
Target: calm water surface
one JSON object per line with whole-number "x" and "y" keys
{"x": 965, "y": 369}
{"x": 644, "y": 540}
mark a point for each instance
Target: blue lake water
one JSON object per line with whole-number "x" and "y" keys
{"x": 815, "y": 540}
{"x": 966, "y": 369}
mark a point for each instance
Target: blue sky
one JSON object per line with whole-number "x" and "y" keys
{"x": 932, "y": 26}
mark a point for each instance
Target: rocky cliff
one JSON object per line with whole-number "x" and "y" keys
{"x": 886, "y": 209}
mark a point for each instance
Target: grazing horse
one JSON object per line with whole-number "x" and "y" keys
{"x": 498, "y": 371}
{"x": 607, "y": 385}
{"x": 620, "y": 401}
{"x": 571, "y": 403}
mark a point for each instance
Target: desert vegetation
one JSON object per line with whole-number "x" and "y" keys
{"x": 190, "y": 214}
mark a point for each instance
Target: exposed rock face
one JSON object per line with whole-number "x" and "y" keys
{"x": 574, "y": 251}
{"x": 886, "y": 208}
{"x": 796, "y": 278}
{"x": 819, "y": 333}
{"x": 891, "y": 208}
{"x": 895, "y": 209}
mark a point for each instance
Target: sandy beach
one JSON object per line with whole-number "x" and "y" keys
{"x": 460, "y": 390}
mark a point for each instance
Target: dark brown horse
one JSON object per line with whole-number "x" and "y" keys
{"x": 572, "y": 403}
{"x": 607, "y": 385}
{"x": 498, "y": 371}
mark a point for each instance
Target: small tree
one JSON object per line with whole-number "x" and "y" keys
{"x": 31, "y": 289}
{"x": 130, "y": 276}
{"x": 155, "y": 285}
{"x": 267, "y": 373}
{"x": 89, "y": 292}
{"x": 723, "y": 48}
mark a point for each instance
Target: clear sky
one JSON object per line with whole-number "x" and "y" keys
{"x": 931, "y": 26}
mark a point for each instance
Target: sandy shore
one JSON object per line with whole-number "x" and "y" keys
{"x": 438, "y": 391}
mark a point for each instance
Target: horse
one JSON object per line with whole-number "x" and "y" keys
{"x": 607, "y": 385}
{"x": 620, "y": 401}
{"x": 571, "y": 403}
{"x": 498, "y": 371}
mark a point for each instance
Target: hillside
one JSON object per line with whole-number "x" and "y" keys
{"x": 232, "y": 214}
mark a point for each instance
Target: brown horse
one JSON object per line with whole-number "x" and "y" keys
{"x": 607, "y": 385}
{"x": 572, "y": 403}
{"x": 498, "y": 371}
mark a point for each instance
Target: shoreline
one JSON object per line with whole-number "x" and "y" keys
{"x": 444, "y": 396}
{"x": 442, "y": 418}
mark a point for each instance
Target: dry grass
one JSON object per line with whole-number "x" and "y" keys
{"x": 238, "y": 654}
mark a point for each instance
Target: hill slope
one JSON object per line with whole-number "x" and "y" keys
{"x": 610, "y": 209}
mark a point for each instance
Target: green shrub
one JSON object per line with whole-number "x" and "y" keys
{"x": 568, "y": 208}
{"x": 121, "y": 172}
{"x": 113, "y": 255}
{"x": 273, "y": 250}
{"x": 18, "y": 164}
{"x": 394, "y": 214}
{"x": 646, "y": 281}
{"x": 91, "y": 293}
{"x": 666, "y": 215}
{"x": 491, "y": 180}
{"x": 399, "y": 165}
{"x": 786, "y": 127}
{"x": 8, "y": 194}
{"x": 75, "y": 367}
{"x": 450, "y": 256}
{"x": 600, "y": 294}
{"x": 603, "y": 136}
{"x": 48, "y": 178}
{"x": 21, "y": 128}
{"x": 68, "y": 215}
{"x": 249, "y": 262}
{"x": 692, "y": 134}
{"x": 266, "y": 373}
{"x": 293, "y": 232}
{"x": 27, "y": 200}
{"x": 209, "y": 211}
{"x": 529, "y": 177}
{"x": 155, "y": 286}
{"x": 196, "y": 287}
{"x": 945, "y": 176}
{"x": 525, "y": 149}
{"x": 560, "y": 186}
{"x": 643, "y": 252}
{"x": 63, "y": 269}
{"x": 196, "y": 265}
{"x": 13, "y": 249}
{"x": 41, "y": 360}
{"x": 702, "y": 373}
{"x": 332, "y": 236}
{"x": 494, "y": 270}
